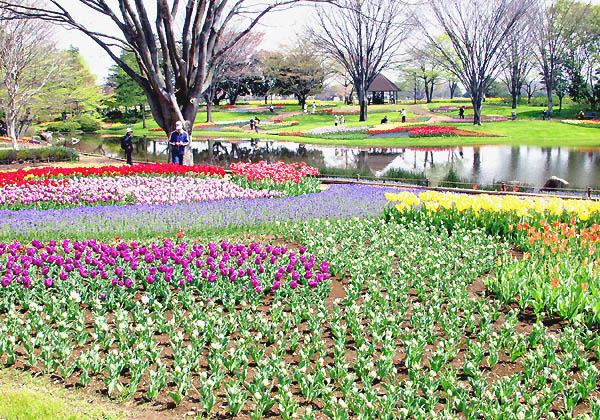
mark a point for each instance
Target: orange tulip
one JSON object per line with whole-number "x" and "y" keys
{"x": 554, "y": 282}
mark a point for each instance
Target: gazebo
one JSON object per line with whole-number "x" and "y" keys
{"x": 380, "y": 87}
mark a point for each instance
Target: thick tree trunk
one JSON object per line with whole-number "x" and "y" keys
{"x": 476, "y": 100}
{"x": 11, "y": 128}
{"x": 515, "y": 97}
{"x": 266, "y": 99}
{"x": 362, "y": 101}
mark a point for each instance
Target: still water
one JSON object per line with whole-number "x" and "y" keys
{"x": 481, "y": 165}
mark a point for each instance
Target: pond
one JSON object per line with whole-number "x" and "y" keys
{"x": 480, "y": 165}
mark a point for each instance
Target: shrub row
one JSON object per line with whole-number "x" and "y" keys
{"x": 53, "y": 154}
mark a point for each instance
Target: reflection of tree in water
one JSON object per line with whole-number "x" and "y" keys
{"x": 224, "y": 153}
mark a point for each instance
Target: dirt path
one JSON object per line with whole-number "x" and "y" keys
{"x": 422, "y": 111}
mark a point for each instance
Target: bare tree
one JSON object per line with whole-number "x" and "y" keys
{"x": 554, "y": 24}
{"x": 176, "y": 54}
{"x": 531, "y": 86}
{"x": 427, "y": 66}
{"x": 27, "y": 63}
{"x": 518, "y": 61}
{"x": 477, "y": 30}
{"x": 233, "y": 64}
{"x": 364, "y": 37}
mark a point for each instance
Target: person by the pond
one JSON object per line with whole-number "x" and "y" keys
{"x": 384, "y": 120}
{"x": 461, "y": 113}
{"x": 127, "y": 145}
{"x": 403, "y": 113}
{"x": 336, "y": 120}
{"x": 178, "y": 140}
{"x": 256, "y": 122}
{"x": 314, "y": 108}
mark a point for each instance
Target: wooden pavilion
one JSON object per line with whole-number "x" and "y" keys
{"x": 382, "y": 87}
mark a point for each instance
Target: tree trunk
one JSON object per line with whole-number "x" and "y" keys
{"x": 143, "y": 115}
{"x": 514, "y": 99}
{"x": 266, "y": 99}
{"x": 209, "y": 111}
{"x": 11, "y": 128}
{"x": 476, "y": 100}
{"x": 549, "y": 95}
{"x": 362, "y": 100}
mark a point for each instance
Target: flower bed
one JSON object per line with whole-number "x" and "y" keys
{"x": 21, "y": 176}
{"x": 428, "y": 131}
{"x": 337, "y": 111}
{"x": 483, "y": 119}
{"x": 557, "y": 273}
{"x": 23, "y": 140}
{"x": 278, "y": 172}
{"x": 335, "y": 129}
{"x": 86, "y": 191}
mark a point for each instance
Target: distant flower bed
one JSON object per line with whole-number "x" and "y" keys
{"x": 431, "y": 131}
{"x": 335, "y": 129}
{"x": 588, "y": 123}
{"x": 332, "y": 111}
{"x": 23, "y": 140}
{"x": 470, "y": 119}
{"x": 449, "y": 108}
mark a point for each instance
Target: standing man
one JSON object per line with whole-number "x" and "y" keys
{"x": 178, "y": 140}
{"x": 127, "y": 145}
{"x": 403, "y": 113}
{"x": 461, "y": 113}
{"x": 314, "y": 108}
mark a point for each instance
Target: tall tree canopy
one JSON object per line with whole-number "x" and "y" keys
{"x": 364, "y": 37}
{"x": 477, "y": 31}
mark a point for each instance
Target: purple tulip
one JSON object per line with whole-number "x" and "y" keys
{"x": 48, "y": 282}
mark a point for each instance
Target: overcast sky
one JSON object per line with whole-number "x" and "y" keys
{"x": 280, "y": 28}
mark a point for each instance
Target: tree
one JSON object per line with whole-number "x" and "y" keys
{"x": 27, "y": 64}
{"x": 176, "y": 55}
{"x": 364, "y": 37}
{"x": 477, "y": 31}
{"x": 127, "y": 92}
{"x": 238, "y": 66}
{"x": 517, "y": 62}
{"x": 583, "y": 60}
{"x": 299, "y": 71}
{"x": 427, "y": 67}
{"x": 531, "y": 86}
{"x": 554, "y": 23}
{"x": 452, "y": 82}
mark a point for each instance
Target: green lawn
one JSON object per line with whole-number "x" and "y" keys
{"x": 529, "y": 129}
{"x": 23, "y": 397}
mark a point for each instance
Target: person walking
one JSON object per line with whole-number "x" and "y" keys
{"x": 342, "y": 121}
{"x": 305, "y": 108}
{"x": 251, "y": 123}
{"x": 127, "y": 145}
{"x": 403, "y": 113}
{"x": 314, "y": 108}
{"x": 461, "y": 113}
{"x": 336, "y": 120}
{"x": 178, "y": 140}
{"x": 256, "y": 122}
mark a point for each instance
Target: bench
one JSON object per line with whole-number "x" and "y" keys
{"x": 589, "y": 115}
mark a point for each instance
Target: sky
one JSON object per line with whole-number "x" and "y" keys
{"x": 280, "y": 28}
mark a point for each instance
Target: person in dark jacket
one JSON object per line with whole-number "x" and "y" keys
{"x": 127, "y": 145}
{"x": 178, "y": 140}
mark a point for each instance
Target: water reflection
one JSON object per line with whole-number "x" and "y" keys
{"x": 478, "y": 165}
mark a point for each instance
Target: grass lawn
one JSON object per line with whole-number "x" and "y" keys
{"x": 23, "y": 397}
{"x": 529, "y": 129}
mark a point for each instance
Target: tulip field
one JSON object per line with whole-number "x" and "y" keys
{"x": 255, "y": 295}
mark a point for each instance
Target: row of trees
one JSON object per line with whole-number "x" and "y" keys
{"x": 243, "y": 70}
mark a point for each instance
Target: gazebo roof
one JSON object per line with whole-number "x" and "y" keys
{"x": 382, "y": 84}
